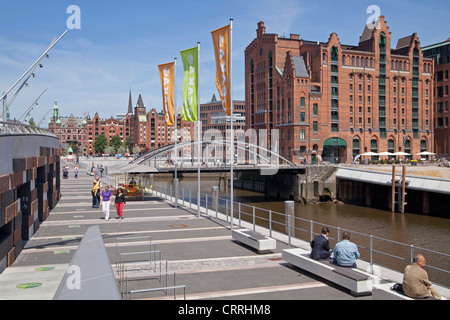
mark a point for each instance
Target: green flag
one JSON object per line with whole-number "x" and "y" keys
{"x": 190, "y": 64}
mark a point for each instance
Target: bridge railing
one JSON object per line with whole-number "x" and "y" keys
{"x": 374, "y": 250}
{"x": 13, "y": 128}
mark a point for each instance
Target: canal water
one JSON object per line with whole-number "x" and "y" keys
{"x": 427, "y": 232}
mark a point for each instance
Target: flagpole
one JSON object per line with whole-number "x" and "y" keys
{"x": 231, "y": 113}
{"x": 176, "y": 129}
{"x": 199, "y": 128}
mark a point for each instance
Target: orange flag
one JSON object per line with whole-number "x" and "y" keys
{"x": 166, "y": 73}
{"x": 221, "y": 41}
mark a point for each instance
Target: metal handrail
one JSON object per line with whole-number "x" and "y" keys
{"x": 160, "y": 289}
{"x": 222, "y": 205}
{"x": 12, "y": 128}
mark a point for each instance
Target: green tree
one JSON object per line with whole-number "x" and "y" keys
{"x": 109, "y": 150}
{"x": 115, "y": 142}
{"x": 136, "y": 150}
{"x": 100, "y": 144}
{"x": 31, "y": 122}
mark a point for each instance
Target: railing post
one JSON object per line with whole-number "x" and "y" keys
{"x": 412, "y": 253}
{"x": 371, "y": 254}
{"x": 270, "y": 223}
{"x": 338, "y": 234}
{"x": 190, "y": 199}
{"x": 206, "y": 204}
{"x": 239, "y": 214}
{"x": 312, "y": 230}
{"x": 254, "y": 218}
{"x": 217, "y": 205}
{"x": 226, "y": 210}
{"x": 182, "y": 194}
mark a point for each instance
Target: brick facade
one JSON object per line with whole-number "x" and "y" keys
{"x": 25, "y": 200}
{"x": 440, "y": 53}
{"x": 336, "y": 101}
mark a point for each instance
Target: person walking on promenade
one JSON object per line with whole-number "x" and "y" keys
{"x": 76, "y": 171}
{"x": 345, "y": 252}
{"x": 321, "y": 246}
{"x": 105, "y": 202}
{"x": 120, "y": 202}
{"x": 96, "y": 192}
{"x": 416, "y": 284}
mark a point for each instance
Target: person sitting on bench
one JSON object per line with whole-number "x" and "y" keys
{"x": 321, "y": 246}
{"x": 345, "y": 252}
{"x": 416, "y": 284}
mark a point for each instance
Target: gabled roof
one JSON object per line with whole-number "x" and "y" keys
{"x": 300, "y": 67}
{"x": 404, "y": 42}
{"x": 367, "y": 34}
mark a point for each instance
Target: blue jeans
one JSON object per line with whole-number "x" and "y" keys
{"x": 94, "y": 201}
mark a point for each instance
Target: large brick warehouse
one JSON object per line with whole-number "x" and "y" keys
{"x": 332, "y": 101}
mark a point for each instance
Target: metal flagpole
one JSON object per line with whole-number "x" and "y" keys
{"x": 199, "y": 128}
{"x": 231, "y": 113}
{"x": 176, "y": 129}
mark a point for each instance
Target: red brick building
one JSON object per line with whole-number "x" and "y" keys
{"x": 108, "y": 127}
{"x": 440, "y": 53}
{"x": 70, "y": 130}
{"x": 336, "y": 101}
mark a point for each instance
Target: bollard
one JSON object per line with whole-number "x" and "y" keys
{"x": 289, "y": 211}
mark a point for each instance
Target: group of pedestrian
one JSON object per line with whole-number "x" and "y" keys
{"x": 103, "y": 198}
{"x": 415, "y": 279}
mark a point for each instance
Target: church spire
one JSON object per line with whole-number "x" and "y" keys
{"x": 130, "y": 105}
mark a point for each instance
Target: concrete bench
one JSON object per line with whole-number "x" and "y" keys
{"x": 384, "y": 292}
{"x": 357, "y": 281}
{"x": 255, "y": 240}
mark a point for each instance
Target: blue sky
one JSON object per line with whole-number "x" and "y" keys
{"x": 121, "y": 43}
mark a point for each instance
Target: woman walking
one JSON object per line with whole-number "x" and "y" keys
{"x": 105, "y": 202}
{"x": 120, "y": 202}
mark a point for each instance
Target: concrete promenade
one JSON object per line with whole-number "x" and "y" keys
{"x": 200, "y": 250}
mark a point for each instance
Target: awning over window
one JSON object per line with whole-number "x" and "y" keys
{"x": 335, "y": 142}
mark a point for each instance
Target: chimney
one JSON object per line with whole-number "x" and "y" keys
{"x": 261, "y": 29}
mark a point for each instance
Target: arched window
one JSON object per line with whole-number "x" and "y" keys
{"x": 356, "y": 147}
{"x": 391, "y": 146}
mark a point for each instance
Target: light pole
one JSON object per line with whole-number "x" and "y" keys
{"x": 38, "y": 62}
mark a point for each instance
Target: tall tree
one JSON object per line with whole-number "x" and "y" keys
{"x": 115, "y": 142}
{"x": 100, "y": 144}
